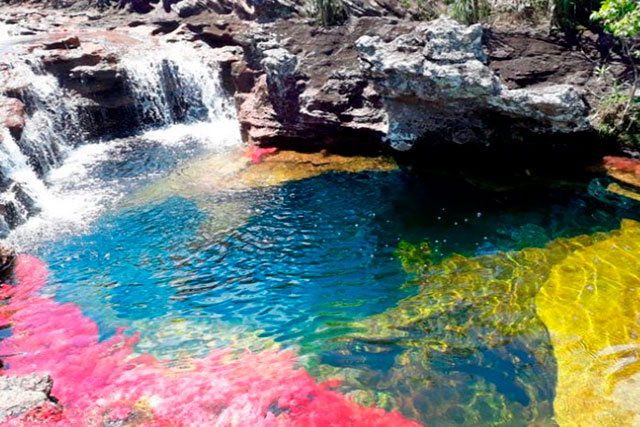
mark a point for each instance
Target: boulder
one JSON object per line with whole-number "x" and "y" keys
{"x": 436, "y": 84}
{"x": 25, "y": 396}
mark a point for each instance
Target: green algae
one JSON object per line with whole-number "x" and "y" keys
{"x": 541, "y": 336}
{"x": 591, "y": 306}
{"x": 468, "y": 348}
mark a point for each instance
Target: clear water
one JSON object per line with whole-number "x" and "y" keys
{"x": 297, "y": 264}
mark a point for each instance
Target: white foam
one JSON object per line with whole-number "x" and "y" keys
{"x": 74, "y": 194}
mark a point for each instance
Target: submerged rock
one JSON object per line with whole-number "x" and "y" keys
{"x": 468, "y": 340}
{"x": 591, "y": 305}
{"x": 623, "y": 169}
{"x": 238, "y": 171}
{"x": 27, "y": 396}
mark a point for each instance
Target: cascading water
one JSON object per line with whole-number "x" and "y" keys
{"x": 54, "y": 125}
{"x": 176, "y": 85}
{"x": 52, "y": 171}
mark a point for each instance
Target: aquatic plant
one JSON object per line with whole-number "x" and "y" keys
{"x": 330, "y": 12}
{"x": 414, "y": 258}
{"x": 471, "y": 317}
{"x": 100, "y": 382}
{"x": 256, "y": 153}
{"x": 591, "y": 305}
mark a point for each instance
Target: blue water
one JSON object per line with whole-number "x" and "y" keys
{"x": 302, "y": 257}
{"x": 297, "y": 263}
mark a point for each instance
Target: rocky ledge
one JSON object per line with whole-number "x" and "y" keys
{"x": 375, "y": 82}
{"x": 380, "y": 82}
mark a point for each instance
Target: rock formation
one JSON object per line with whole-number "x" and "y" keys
{"x": 381, "y": 82}
{"x": 27, "y": 397}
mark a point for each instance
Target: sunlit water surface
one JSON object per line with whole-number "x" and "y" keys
{"x": 296, "y": 264}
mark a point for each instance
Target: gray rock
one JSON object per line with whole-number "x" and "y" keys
{"x": 19, "y": 395}
{"x": 435, "y": 79}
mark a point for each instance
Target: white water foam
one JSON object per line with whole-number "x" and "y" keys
{"x": 176, "y": 74}
{"x": 5, "y": 34}
{"x": 75, "y": 194}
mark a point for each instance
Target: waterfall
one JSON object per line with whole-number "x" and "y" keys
{"x": 177, "y": 94}
{"x": 23, "y": 186}
{"x": 176, "y": 85}
{"x": 54, "y": 126}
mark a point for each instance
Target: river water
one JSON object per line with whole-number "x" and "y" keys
{"x": 307, "y": 265}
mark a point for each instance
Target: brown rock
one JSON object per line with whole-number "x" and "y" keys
{"x": 7, "y": 262}
{"x": 12, "y": 115}
{"x": 69, "y": 42}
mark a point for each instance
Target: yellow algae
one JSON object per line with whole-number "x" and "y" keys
{"x": 181, "y": 339}
{"x": 471, "y": 316}
{"x": 618, "y": 189}
{"x": 235, "y": 171}
{"x": 202, "y": 179}
{"x": 499, "y": 287}
{"x": 591, "y": 307}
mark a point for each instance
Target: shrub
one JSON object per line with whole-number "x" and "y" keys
{"x": 470, "y": 11}
{"x": 330, "y": 12}
{"x": 570, "y": 14}
{"x": 618, "y": 113}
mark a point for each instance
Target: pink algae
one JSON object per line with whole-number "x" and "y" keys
{"x": 101, "y": 382}
{"x": 257, "y": 153}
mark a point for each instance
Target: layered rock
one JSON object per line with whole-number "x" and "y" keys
{"x": 373, "y": 83}
{"x": 626, "y": 172}
{"x": 436, "y": 83}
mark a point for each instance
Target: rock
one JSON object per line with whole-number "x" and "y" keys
{"x": 69, "y": 42}
{"x": 269, "y": 10}
{"x": 187, "y": 8}
{"x": 7, "y": 262}
{"x": 20, "y": 396}
{"x": 281, "y": 69}
{"x": 60, "y": 62}
{"x": 435, "y": 82}
{"x": 12, "y": 115}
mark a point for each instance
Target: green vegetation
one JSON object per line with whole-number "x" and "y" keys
{"x": 618, "y": 113}
{"x": 569, "y": 15}
{"x": 469, "y": 11}
{"x": 414, "y": 258}
{"x": 330, "y": 12}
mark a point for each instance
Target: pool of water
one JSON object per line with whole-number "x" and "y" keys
{"x": 306, "y": 265}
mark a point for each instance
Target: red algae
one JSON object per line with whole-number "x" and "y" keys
{"x": 257, "y": 153}
{"x": 100, "y": 382}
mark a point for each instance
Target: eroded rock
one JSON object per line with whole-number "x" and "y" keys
{"x": 435, "y": 81}
{"x": 70, "y": 42}
{"x": 20, "y": 396}
{"x": 7, "y": 262}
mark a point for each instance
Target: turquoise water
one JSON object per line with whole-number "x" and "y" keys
{"x": 296, "y": 264}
